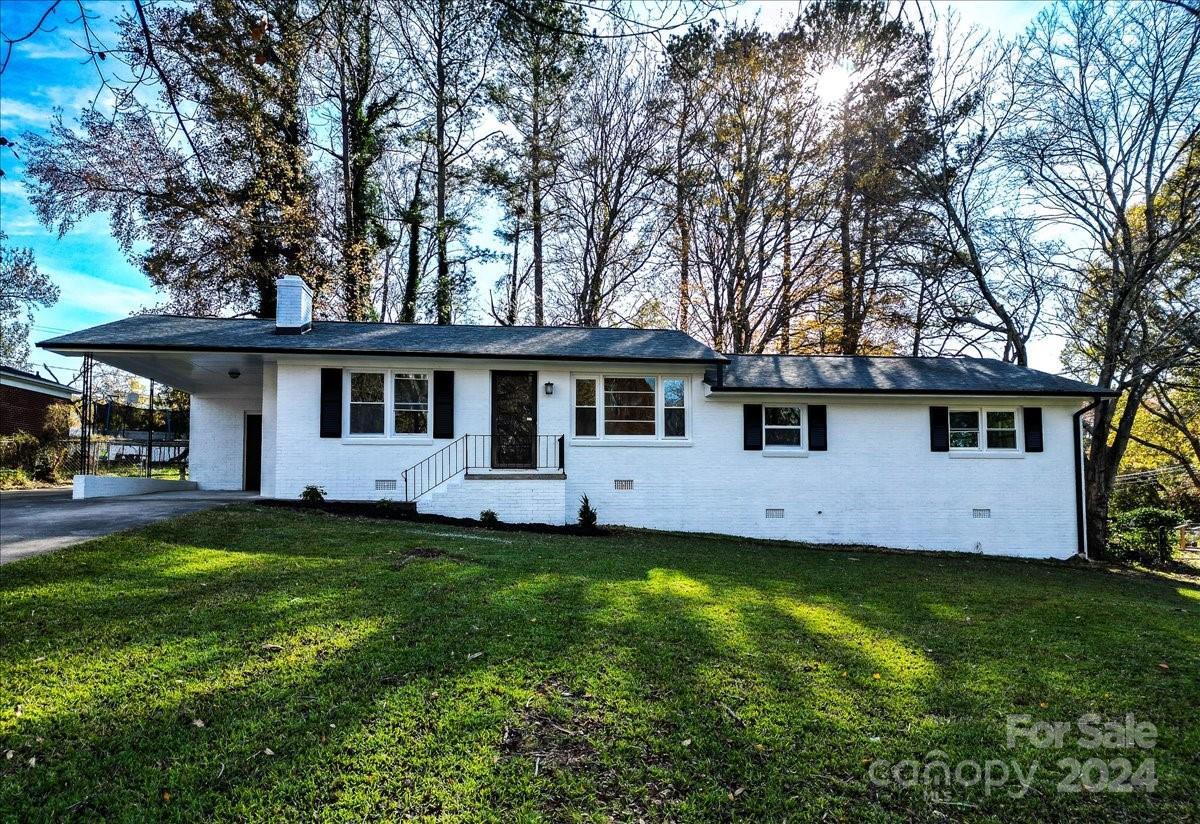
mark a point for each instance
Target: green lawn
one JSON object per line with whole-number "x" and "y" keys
{"x": 263, "y": 665}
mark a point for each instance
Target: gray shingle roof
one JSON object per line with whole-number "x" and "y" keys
{"x": 898, "y": 375}
{"x": 179, "y": 333}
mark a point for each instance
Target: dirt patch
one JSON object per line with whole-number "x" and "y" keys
{"x": 555, "y": 729}
{"x": 424, "y": 553}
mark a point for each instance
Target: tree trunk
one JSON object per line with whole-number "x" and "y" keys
{"x": 535, "y": 189}
{"x": 685, "y": 237}
{"x": 785, "y": 286}
{"x": 443, "y": 297}
{"x": 510, "y": 311}
{"x": 849, "y": 337}
{"x": 408, "y": 312}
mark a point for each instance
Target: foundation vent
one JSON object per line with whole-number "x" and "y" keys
{"x": 981, "y": 513}
{"x": 388, "y": 484}
{"x": 626, "y": 484}
{"x": 774, "y": 513}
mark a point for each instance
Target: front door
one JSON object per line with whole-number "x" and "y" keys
{"x": 253, "y": 479}
{"x": 514, "y": 420}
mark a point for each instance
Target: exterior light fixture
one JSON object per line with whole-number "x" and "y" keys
{"x": 235, "y": 373}
{"x": 549, "y": 387}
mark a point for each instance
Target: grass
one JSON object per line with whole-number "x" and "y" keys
{"x": 259, "y": 664}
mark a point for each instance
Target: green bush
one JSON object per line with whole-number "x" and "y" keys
{"x": 313, "y": 494}
{"x": 587, "y": 514}
{"x": 58, "y": 421}
{"x": 489, "y": 518}
{"x": 14, "y": 479}
{"x": 1146, "y": 534}
{"x": 19, "y": 452}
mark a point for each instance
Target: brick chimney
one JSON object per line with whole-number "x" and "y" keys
{"x": 293, "y": 306}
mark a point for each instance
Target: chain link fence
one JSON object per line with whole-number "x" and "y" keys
{"x": 27, "y": 462}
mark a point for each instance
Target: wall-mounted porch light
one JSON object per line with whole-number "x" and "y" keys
{"x": 549, "y": 387}
{"x": 235, "y": 373}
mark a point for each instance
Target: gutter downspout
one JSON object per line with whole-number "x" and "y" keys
{"x": 1080, "y": 493}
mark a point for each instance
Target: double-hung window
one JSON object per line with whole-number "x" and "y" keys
{"x": 366, "y": 403}
{"x": 410, "y": 403}
{"x": 585, "y": 407}
{"x": 674, "y": 408}
{"x": 371, "y": 394}
{"x": 633, "y": 407}
{"x": 783, "y": 427}
{"x": 983, "y": 430}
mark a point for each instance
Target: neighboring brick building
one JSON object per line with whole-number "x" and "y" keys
{"x": 24, "y": 397}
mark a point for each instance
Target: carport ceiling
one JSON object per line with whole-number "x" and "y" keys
{"x": 195, "y": 372}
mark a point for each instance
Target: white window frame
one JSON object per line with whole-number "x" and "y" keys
{"x": 803, "y": 445}
{"x": 389, "y": 406}
{"x": 597, "y": 406}
{"x": 661, "y": 411}
{"x": 659, "y": 435}
{"x": 981, "y": 429}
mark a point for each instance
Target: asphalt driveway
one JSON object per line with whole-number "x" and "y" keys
{"x": 43, "y": 520}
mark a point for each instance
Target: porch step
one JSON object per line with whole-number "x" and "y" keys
{"x": 516, "y": 476}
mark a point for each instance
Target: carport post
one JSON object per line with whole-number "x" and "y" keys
{"x": 150, "y": 434}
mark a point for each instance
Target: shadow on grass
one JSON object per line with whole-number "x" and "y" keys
{"x": 252, "y": 664}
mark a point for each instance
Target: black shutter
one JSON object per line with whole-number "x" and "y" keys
{"x": 818, "y": 432}
{"x": 752, "y": 426}
{"x": 1033, "y": 428}
{"x": 331, "y": 403}
{"x": 443, "y": 404}
{"x": 939, "y": 429}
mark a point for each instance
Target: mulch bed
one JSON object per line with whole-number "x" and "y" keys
{"x": 402, "y": 512}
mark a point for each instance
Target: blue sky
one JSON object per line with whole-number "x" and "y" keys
{"x": 49, "y": 73}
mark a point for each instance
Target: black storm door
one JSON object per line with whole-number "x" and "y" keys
{"x": 514, "y": 419}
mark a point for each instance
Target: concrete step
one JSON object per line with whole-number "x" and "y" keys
{"x": 517, "y": 476}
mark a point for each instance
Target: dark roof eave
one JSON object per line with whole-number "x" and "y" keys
{"x": 285, "y": 350}
{"x": 847, "y": 390}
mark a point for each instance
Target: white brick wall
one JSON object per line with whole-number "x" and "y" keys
{"x": 217, "y": 440}
{"x": 518, "y": 502}
{"x": 878, "y": 483}
{"x": 267, "y": 487}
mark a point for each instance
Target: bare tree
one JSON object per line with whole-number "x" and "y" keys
{"x": 994, "y": 282}
{"x": 447, "y": 45}
{"x": 542, "y": 47}
{"x": 1111, "y": 94}
{"x": 758, "y": 224}
{"x": 363, "y": 84}
{"x": 878, "y": 127}
{"x": 607, "y": 232}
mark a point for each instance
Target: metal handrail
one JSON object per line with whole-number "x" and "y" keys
{"x": 469, "y": 452}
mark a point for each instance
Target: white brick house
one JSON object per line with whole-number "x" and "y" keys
{"x": 655, "y": 428}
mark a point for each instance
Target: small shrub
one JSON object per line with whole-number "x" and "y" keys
{"x": 313, "y": 494}
{"x": 50, "y": 463}
{"x": 587, "y": 514}
{"x": 489, "y": 518}
{"x": 20, "y": 452}
{"x": 14, "y": 479}
{"x": 1145, "y": 534}
{"x": 58, "y": 421}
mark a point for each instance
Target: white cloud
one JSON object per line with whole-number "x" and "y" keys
{"x": 34, "y": 50}
{"x": 24, "y": 113}
{"x": 96, "y": 296}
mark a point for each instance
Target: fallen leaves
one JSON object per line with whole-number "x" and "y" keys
{"x": 271, "y": 648}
